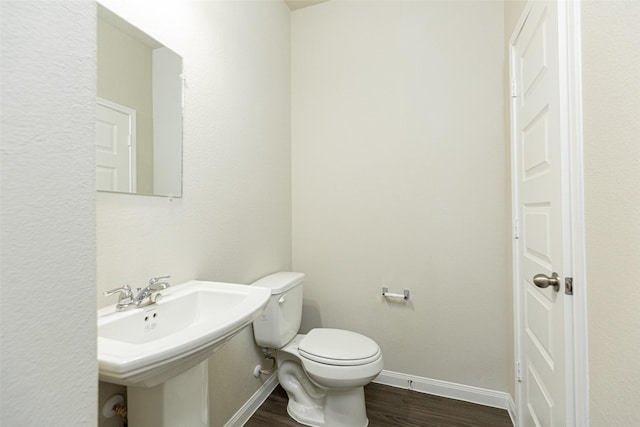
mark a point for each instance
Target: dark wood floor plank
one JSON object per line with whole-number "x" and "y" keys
{"x": 394, "y": 407}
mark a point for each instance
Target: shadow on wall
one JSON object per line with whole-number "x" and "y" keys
{"x": 310, "y": 316}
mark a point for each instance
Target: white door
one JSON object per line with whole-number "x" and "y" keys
{"x": 541, "y": 246}
{"x": 115, "y": 136}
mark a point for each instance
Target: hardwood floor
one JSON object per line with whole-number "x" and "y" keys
{"x": 390, "y": 407}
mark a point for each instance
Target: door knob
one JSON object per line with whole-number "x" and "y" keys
{"x": 543, "y": 281}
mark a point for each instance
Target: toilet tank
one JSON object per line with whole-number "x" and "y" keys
{"x": 280, "y": 321}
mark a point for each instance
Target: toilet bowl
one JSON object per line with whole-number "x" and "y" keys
{"x": 323, "y": 372}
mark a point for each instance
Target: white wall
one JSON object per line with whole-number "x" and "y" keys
{"x": 234, "y": 220}
{"x": 400, "y": 180}
{"x": 48, "y": 373}
{"x": 611, "y": 90}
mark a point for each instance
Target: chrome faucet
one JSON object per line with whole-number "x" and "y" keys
{"x": 125, "y": 297}
{"x": 150, "y": 294}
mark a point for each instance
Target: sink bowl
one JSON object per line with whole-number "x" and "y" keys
{"x": 146, "y": 346}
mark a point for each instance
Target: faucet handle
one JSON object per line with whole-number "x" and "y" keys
{"x": 124, "y": 290}
{"x": 124, "y": 293}
{"x": 155, "y": 280}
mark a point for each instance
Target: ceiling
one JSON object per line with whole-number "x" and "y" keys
{"x": 298, "y": 4}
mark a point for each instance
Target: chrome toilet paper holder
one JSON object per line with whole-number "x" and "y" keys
{"x": 405, "y": 295}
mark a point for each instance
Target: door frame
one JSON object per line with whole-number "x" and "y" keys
{"x": 576, "y": 346}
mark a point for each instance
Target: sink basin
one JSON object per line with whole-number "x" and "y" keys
{"x": 146, "y": 346}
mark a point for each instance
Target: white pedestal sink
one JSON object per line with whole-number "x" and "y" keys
{"x": 160, "y": 351}
{"x": 180, "y": 401}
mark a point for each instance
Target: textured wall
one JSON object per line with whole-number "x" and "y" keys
{"x": 48, "y": 373}
{"x": 611, "y": 90}
{"x": 399, "y": 180}
{"x": 234, "y": 220}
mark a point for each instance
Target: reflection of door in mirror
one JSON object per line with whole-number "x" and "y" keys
{"x": 124, "y": 78}
{"x": 115, "y": 147}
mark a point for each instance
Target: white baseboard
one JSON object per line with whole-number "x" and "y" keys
{"x": 252, "y": 405}
{"x": 481, "y": 396}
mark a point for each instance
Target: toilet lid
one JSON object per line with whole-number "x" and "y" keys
{"x": 338, "y": 347}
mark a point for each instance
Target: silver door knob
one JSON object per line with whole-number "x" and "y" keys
{"x": 543, "y": 281}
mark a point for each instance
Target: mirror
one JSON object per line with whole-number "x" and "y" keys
{"x": 138, "y": 111}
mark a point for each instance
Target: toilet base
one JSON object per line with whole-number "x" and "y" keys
{"x": 341, "y": 408}
{"x": 345, "y": 408}
{"x": 309, "y": 416}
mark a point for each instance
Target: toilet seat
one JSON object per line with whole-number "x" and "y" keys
{"x": 338, "y": 347}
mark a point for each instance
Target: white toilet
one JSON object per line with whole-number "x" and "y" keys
{"x": 323, "y": 372}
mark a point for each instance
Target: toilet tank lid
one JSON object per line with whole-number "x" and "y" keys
{"x": 280, "y": 282}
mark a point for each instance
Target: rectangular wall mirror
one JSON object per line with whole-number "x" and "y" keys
{"x": 139, "y": 111}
